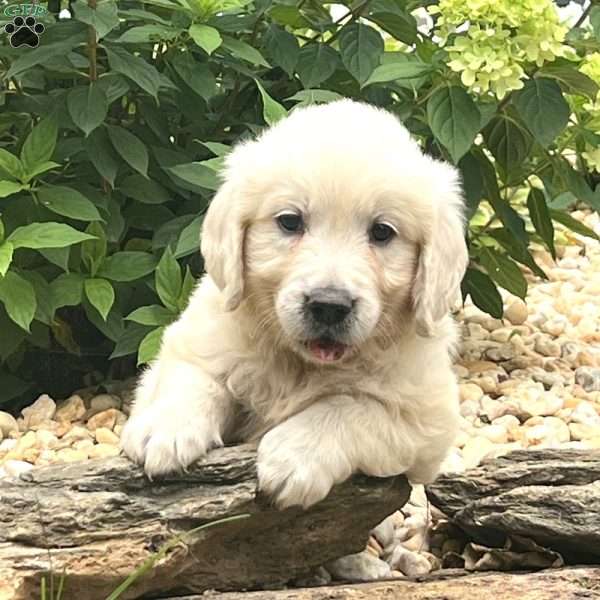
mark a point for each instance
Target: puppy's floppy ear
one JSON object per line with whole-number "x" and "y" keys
{"x": 444, "y": 257}
{"x": 222, "y": 244}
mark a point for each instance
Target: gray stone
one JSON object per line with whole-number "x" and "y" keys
{"x": 588, "y": 378}
{"x": 359, "y": 567}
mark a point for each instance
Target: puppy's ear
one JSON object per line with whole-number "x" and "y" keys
{"x": 222, "y": 244}
{"x": 444, "y": 257}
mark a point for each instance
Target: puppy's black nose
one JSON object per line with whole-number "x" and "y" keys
{"x": 329, "y": 306}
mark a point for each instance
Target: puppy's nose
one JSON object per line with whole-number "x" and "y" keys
{"x": 329, "y": 306}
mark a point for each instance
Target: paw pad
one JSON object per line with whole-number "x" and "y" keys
{"x": 24, "y": 32}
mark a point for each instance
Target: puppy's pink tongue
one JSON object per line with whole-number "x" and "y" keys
{"x": 327, "y": 351}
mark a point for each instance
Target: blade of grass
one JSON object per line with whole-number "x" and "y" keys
{"x": 61, "y": 585}
{"x": 151, "y": 560}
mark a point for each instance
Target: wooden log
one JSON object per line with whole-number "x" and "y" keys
{"x": 98, "y": 520}
{"x": 551, "y": 496}
{"x": 570, "y": 583}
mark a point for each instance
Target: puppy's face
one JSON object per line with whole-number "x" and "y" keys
{"x": 330, "y": 263}
{"x": 334, "y": 229}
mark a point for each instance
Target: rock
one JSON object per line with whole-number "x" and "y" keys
{"x": 76, "y": 433}
{"x": 106, "y": 418}
{"x": 358, "y": 567}
{"x": 7, "y": 423}
{"x": 103, "y": 402}
{"x": 103, "y": 451}
{"x": 479, "y": 367}
{"x": 475, "y": 450}
{"x": 384, "y": 532}
{"x": 588, "y": 378}
{"x": 42, "y": 409}
{"x": 29, "y": 440}
{"x": 46, "y": 439}
{"x": 409, "y": 563}
{"x": 7, "y": 445}
{"x": 106, "y": 436}
{"x": 546, "y": 347}
{"x": 583, "y": 431}
{"x": 517, "y": 312}
{"x": 585, "y": 413}
{"x": 538, "y": 402}
{"x": 495, "y": 433}
{"x": 70, "y": 455}
{"x": 522, "y": 494}
{"x": 551, "y": 432}
{"x": 470, "y": 392}
{"x": 16, "y": 467}
{"x": 70, "y": 409}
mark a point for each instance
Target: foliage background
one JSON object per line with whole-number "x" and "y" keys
{"x": 113, "y": 130}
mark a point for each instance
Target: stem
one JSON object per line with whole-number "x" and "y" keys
{"x": 92, "y": 46}
{"x": 584, "y": 15}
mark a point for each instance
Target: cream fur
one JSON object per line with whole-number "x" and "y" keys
{"x": 234, "y": 366}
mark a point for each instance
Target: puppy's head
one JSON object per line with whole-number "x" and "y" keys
{"x": 334, "y": 229}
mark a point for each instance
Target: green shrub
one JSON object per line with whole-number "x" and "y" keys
{"x": 113, "y": 130}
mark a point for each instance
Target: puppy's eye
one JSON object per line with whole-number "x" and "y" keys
{"x": 290, "y": 222}
{"x": 381, "y": 233}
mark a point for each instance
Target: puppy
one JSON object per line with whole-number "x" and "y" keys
{"x": 334, "y": 250}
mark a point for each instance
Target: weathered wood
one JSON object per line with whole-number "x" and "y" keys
{"x": 551, "y": 496}
{"x": 98, "y": 520}
{"x": 565, "y": 584}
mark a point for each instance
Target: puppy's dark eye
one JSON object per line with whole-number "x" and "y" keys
{"x": 290, "y": 222}
{"x": 381, "y": 233}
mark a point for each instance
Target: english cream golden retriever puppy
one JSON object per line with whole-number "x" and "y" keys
{"x": 334, "y": 250}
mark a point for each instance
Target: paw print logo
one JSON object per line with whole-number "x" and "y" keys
{"x": 24, "y": 32}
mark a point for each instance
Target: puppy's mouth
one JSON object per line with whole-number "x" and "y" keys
{"x": 326, "y": 350}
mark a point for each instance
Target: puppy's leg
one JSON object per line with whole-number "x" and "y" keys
{"x": 180, "y": 413}
{"x": 302, "y": 458}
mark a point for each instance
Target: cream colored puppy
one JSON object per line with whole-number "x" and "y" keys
{"x": 334, "y": 250}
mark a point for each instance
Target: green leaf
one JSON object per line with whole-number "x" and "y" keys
{"x": 196, "y": 75}
{"x": 101, "y": 295}
{"x": 129, "y": 340}
{"x": 39, "y": 169}
{"x": 208, "y": 38}
{"x": 186, "y": 289}
{"x": 573, "y": 224}
{"x": 57, "y": 256}
{"x": 540, "y": 217}
{"x": 87, "y": 106}
{"x": 454, "y": 120}
{"x": 472, "y": 182}
{"x": 360, "y": 47}
{"x": 103, "y": 18}
{"x": 46, "y": 235}
{"x": 68, "y": 203}
{"x": 66, "y": 290}
{"x": 134, "y": 68}
{"x": 152, "y": 315}
{"x": 483, "y": 292}
{"x": 244, "y": 51}
{"x": 12, "y": 387}
{"x": 40, "y": 55}
{"x": 93, "y": 252}
{"x": 168, "y": 280}
{"x": 392, "y": 18}
{"x": 509, "y": 143}
{"x": 7, "y": 188}
{"x": 150, "y": 346}
{"x": 6, "y": 254}
{"x": 197, "y": 174}
{"x": 283, "y": 48}
{"x": 543, "y": 108}
{"x": 595, "y": 21}
{"x": 516, "y": 249}
{"x": 18, "y": 297}
{"x": 315, "y": 97}
{"x": 144, "y": 190}
{"x": 573, "y": 80}
{"x": 393, "y": 71}
{"x": 503, "y": 271}
{"x": 147, "y": 33}
{"x": 102, "y": 155}
{"x": 127, "y": 266}
{"x": 131, "y": 149}
{"x": 114, "y": 325}
{"x": 11, "y": 165}
{"x": 272, "y": 110}
{"x": 316, "y": 63}
{"x": 39, "y": 145}
{"x": 189, "y": 238}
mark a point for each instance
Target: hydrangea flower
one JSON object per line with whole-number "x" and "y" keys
{"x": 491, "y": 42}
{"x": 590, "y": 66}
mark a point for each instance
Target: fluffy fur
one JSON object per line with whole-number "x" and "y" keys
{"x": 236, "y": 365}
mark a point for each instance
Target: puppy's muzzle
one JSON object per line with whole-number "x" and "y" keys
{"x": 329, "y": 306}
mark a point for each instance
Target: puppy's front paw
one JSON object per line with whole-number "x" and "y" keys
{"x": 164, "y": 443}
{"x": 294, "y": 474}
